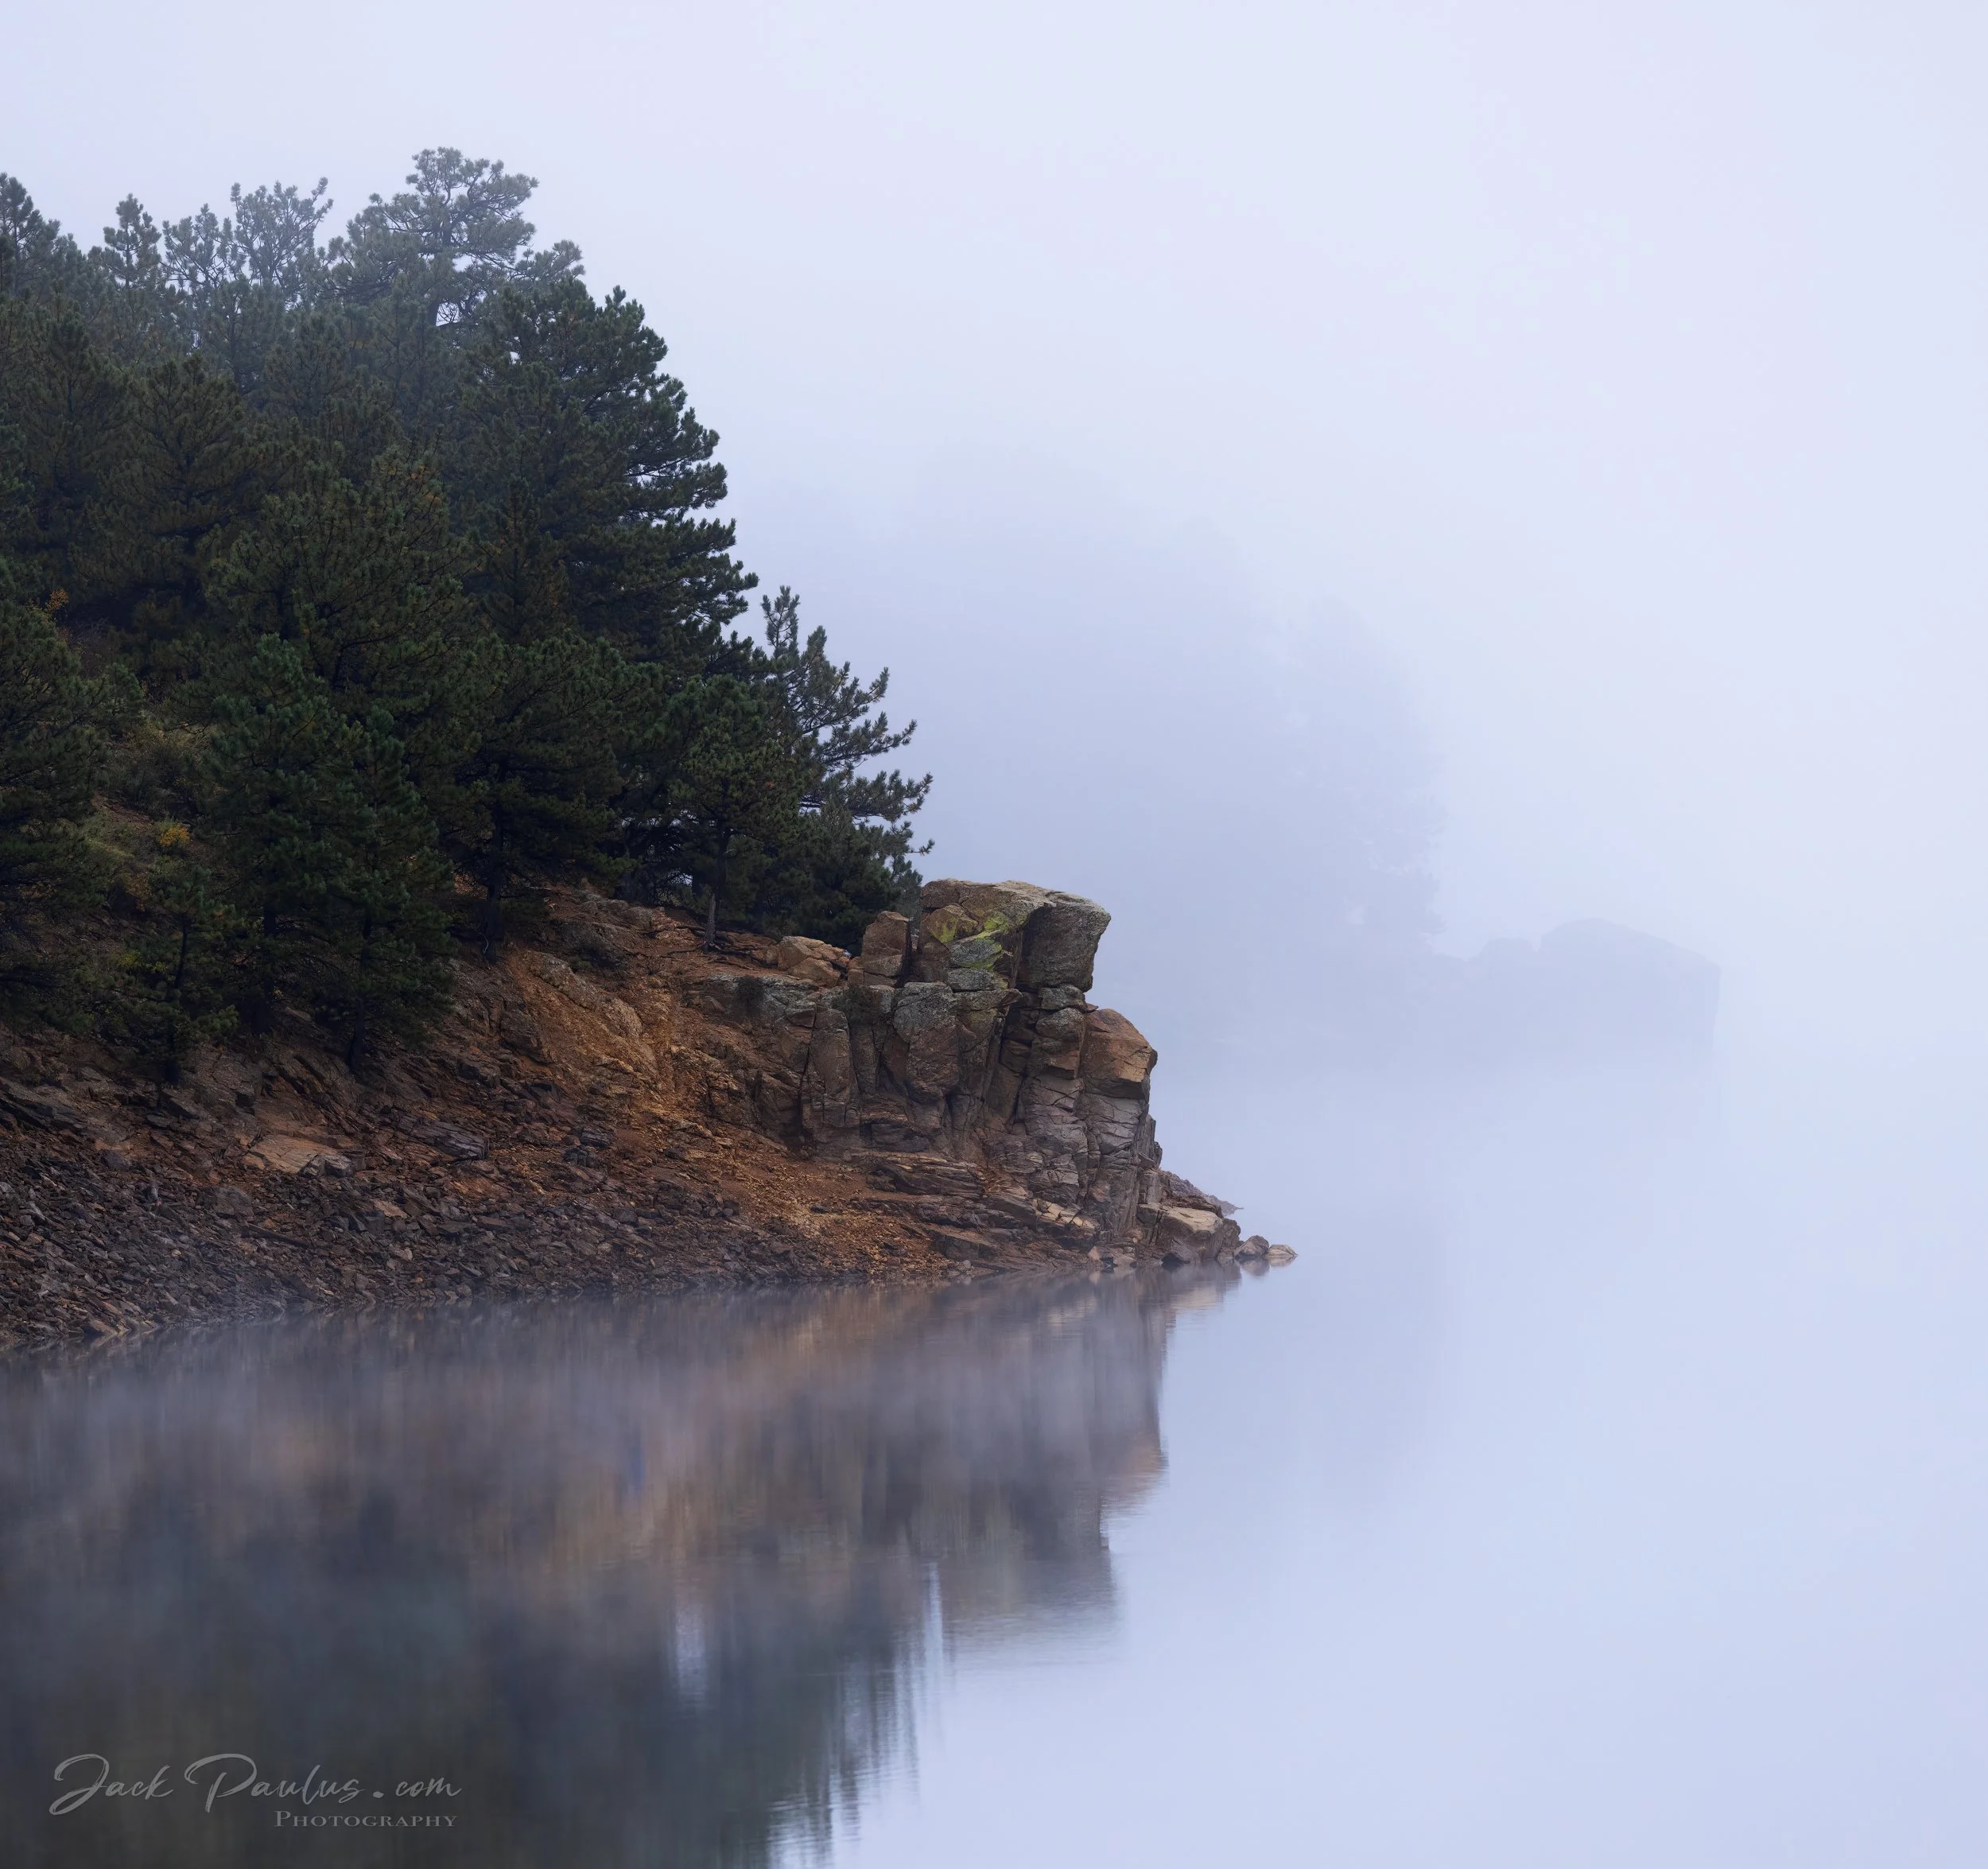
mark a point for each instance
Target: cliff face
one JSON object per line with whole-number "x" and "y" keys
{"x": 612, "y": 1106}
{"x": 959, "y": 1059}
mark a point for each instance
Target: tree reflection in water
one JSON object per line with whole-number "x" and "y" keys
{"x": 651, "y": 1585}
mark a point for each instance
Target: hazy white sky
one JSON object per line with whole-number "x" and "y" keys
{"x": 1624, "y": 369}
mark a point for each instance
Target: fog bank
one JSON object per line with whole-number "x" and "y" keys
{"x": 1611, "y": 386}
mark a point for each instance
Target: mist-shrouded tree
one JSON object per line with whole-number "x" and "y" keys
{"x": 67, "y": 473}
{"x": 178, "y": 980}
{"x": 751, "y": 791}
{"x": 361, "y": 579}
{"x": 415, "y": 269}
{"x": 828, "y": 712}
{"x": 738, "y": 785}
{"x": 848, "y": 855}
{"x": 53, "y": 721}
{"x": 525, "y": 797}
{"x": 37, "y": 260}
{"x": 570, "y": 434}
{"x": 331, "y": 853}
{"x": 456, "y": 233}
{"x": 415, "y": 549}
{"x": 234, "y": 280}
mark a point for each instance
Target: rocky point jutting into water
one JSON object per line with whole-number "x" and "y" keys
{"x": 615, "y": 1105}
{"x": 961, "y": 1061}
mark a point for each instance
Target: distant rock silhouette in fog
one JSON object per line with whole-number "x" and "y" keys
{"x": 1589, "y": 990}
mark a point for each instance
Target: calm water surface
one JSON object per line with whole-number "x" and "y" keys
{"x": 1605, "y": 1485}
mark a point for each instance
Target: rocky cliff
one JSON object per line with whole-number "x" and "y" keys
{"x": 958, "y": 1058}
{"x": 610, "y": 1105}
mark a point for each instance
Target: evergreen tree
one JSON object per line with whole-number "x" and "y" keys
{"x": 193, "y": 476}
{"x": 53, "y": 719}
{"x": 827, "y": 713}
{"x": 65, "y": 412}
{"x": 177, "y": 982}
{"x": 570, "y": 434}
{"x": 332, "y": 853}
{"x": 361, "y": 579}
{"x": 825, "y": 874}
{"x": 414, "y": 270}
{"x": 738, "y": 783}
{"x": 236, "y": 279}
{"x": 528, "y": 794}
{"x": 415, "y": 545}
{"x": 320, "y": 402}
{"x": 847, "y": 854}
{"x": 37, "y": 260}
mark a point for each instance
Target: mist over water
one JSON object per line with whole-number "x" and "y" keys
{"x": 666, "y": 1581}
{"x": 1605, "y": 1484}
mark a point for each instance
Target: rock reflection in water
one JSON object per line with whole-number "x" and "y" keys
{"x": 650, "y": 1586}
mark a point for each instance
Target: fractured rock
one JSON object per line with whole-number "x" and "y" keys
{"x": 297, "y": 1155}
{"x": 811, "y": 960}
{"x": 969, "y": 1068}
{"x": 886, "y": 945}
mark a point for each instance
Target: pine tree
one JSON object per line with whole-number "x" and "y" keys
{"x": 528, "y": 793}
{"x": 570, "y": 432}
{"x": 361, "y": 579}
{"x": 847, "y": 854}
{"x": 738, "y": 782}
{"x": 194, "y": 476}
{"x": 416, "y": 544}
{"x": 53, "y": 719}
{"x": 65, "y": 412}
{"x": 332, "y": 857}
{"x": 414, "y": 271}
{"x": 37, "y": 260}
{"x": 237, "y": 277}
{"x": 177, "y": 983}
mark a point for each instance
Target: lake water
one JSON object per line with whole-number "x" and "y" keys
{"x": 1607, "y": 1483}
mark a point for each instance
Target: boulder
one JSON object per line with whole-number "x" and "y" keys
{"x": 1117, "y": 1061}
{"x": 1030, "y": 936}
{"x": 812, "y": 961}
{"x": 886, "y": 943}
{"x": 1190, "y": 1234}
{"x": 1059, "y": 945}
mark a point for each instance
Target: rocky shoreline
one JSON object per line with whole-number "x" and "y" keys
{"x": 613, "y": 1109}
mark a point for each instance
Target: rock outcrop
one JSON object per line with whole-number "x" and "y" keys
{"x": 960, "y": 1059}
{"x": 617, "y": 1108}
{"x": 1591, "y": 991}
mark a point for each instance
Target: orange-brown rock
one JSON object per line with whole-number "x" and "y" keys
{"x": 616, "y": 1106}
